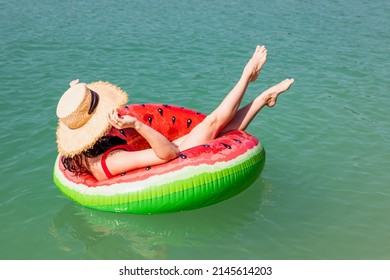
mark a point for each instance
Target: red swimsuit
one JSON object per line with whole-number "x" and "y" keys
{"x": 104, "y": 157}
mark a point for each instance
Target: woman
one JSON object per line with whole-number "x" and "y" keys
{"x": 86, "y": 112}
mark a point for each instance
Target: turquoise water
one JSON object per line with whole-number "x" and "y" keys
{"x": 324, "y": 192}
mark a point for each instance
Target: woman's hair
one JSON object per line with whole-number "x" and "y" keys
{"x": 75, "y": 163}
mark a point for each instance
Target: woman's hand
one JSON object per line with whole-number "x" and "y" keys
{"x": 121, "y": 122}
{"x": 162, "y": 147}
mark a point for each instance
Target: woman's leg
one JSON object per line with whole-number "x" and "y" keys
{"x": 246, "y": 114}
{"x": 229, "y": 106}
{"x": 209, "y": 128}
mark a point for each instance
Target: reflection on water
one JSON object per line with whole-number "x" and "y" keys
{"x": 105, "y": 235}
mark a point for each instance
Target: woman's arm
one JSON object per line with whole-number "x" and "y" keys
{"x": 120, "y": 161}
{"x": 161, "y": 146}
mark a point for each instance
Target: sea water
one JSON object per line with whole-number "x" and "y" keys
{"x": 324, "y": 192}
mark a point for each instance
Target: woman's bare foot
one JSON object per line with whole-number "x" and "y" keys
{"x": 253, "y": 67}
{"x": 270, "y": 96}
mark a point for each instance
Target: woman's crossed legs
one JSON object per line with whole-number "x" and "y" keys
{"x": 227, "y": 117}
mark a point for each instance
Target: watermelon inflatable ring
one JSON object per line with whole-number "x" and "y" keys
{"x": 200, "y": 176}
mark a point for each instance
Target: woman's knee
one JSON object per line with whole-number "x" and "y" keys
{"x": 205, "y": 131}
{"x": 211, "y": 122}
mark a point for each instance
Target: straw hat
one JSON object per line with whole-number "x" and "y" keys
{"x": 82, "y": 112}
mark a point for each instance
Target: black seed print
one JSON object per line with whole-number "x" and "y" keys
{"x": 150, "y": 120}
{"x": 127, "y": 107}
{"x": 160, "y": 111}
{"x": 173, "y": 120}
{"x": 143, "y": 105}
{"x": 166, "y": 105}
{"x": 122, "y": 132}
{"x": 206, "y": 146}
{"x": 182, "y": 156}
{"x": 123, "y": 174}
{"x": 148, "y": 168}
{"x": 189, "y": 122}
{"x": 238, "y": 141}
{"x": 226, "y": 146}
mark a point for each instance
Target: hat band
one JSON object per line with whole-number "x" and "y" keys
{"x": 80, "y": 116}
{"x": 94, "y": 102}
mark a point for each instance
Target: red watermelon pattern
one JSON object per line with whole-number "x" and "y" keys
{"x": 200, "y": 176}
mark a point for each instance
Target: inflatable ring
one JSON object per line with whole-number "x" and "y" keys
{"x": 200, "y": 176}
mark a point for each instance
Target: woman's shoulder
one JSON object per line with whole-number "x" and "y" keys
{"x": 95, "y": 167}
{"x": 98, "y": 165}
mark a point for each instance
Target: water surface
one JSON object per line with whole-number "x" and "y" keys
{"x": 324, "y": 192}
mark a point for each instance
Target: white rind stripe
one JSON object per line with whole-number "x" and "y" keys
{"x": 132, "y": 187}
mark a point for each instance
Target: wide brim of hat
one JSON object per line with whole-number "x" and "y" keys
{"x": 71, "y": 142}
